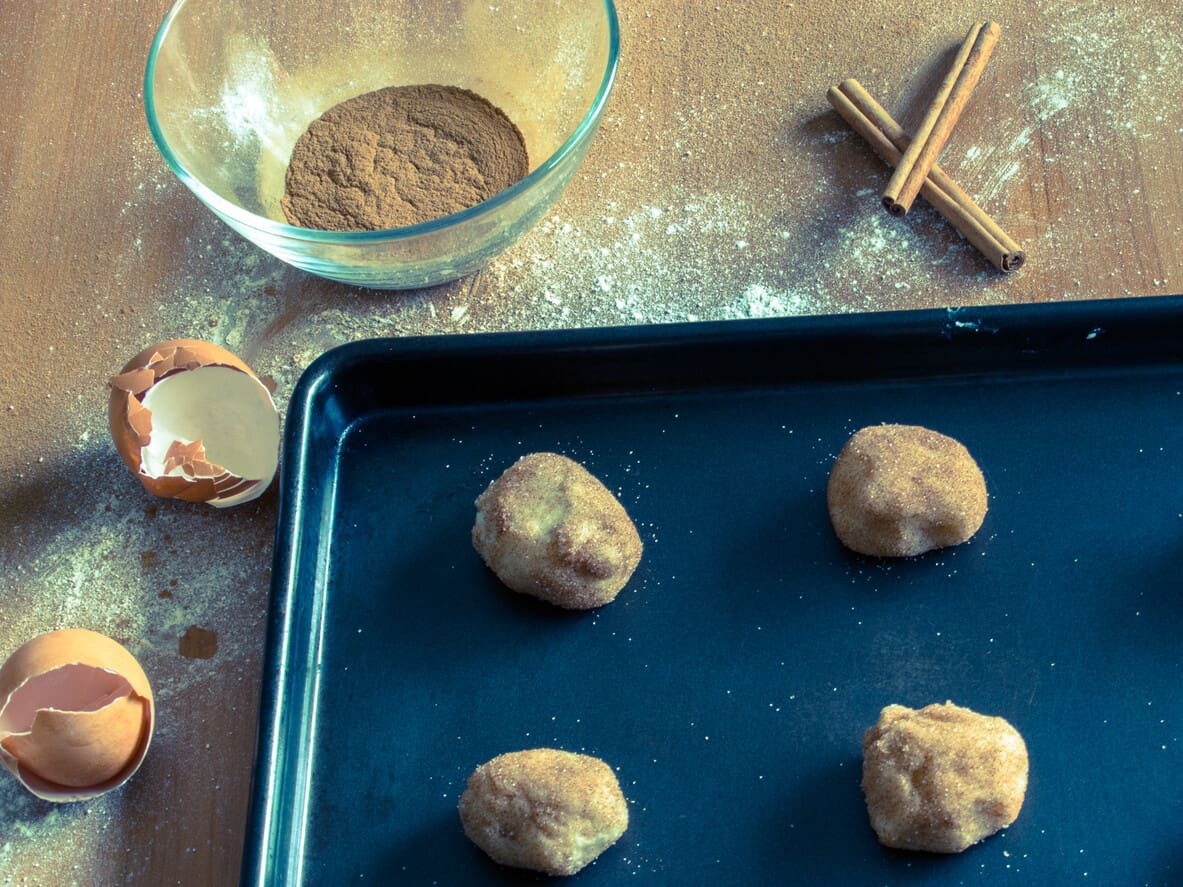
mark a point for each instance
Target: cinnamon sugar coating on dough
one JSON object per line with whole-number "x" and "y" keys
{"x": 942, "y": 778}
{"x": 548, "y": 528}
{"x": 544, "y": 809}
{"x": 902, "y": 490}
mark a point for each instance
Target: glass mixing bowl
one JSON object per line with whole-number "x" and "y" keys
{"x": 231, "y": 84}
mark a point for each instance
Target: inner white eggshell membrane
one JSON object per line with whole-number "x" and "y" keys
{"x": 231, "y": 413}
{"x": 68, "y": 688}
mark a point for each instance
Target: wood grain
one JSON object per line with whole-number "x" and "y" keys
{"x": 720, "y": 185}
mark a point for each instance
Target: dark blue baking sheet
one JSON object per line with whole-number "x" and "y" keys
{"x": 731, "y": 682}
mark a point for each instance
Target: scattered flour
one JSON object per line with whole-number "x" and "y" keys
{"x": 668, "y": 237}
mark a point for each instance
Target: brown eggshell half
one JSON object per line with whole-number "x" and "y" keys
{"x": 80, "y": 749}
{"x": 131, "y": 424}
{"x": 76, "y": 715}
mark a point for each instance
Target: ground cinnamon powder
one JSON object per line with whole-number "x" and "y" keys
{"x": 399, "y": 156}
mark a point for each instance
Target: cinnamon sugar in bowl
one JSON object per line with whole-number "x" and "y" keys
{"x": 231, "y": 85}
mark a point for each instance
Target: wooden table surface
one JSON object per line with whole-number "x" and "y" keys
{"x": 720, "y": 185}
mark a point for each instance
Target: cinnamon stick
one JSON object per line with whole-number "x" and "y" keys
{"x": 941, "y": 117}
{"x": 869, "y": 119}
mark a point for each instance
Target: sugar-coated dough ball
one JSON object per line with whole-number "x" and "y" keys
{"x": 942, "y": 778}
{"x": 902, "y": 490}
{"x": 548, "y": 528}
{"x": 544, "y": 809}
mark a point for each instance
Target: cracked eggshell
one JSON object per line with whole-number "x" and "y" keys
{"x": 193, "y": 422}
{"x": 76, "y": 715}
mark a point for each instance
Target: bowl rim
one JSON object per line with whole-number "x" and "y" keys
{"x": 272, "y": 227}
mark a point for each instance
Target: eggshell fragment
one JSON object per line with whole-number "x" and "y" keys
{"x": 76, "y": 715}
{"x": 193, "y": 422}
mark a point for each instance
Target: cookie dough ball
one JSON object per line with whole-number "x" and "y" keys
{"x": 942, "y": 778}
{"x": 902, "y": 490}
{"x": 548, "y": 528}
{"x": 544, "y": 809}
